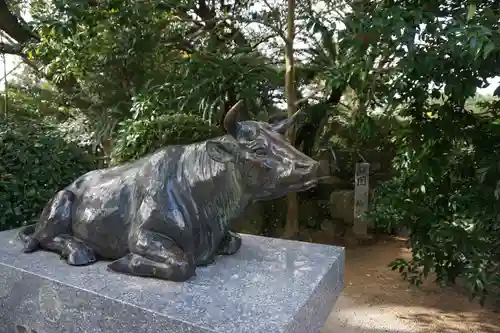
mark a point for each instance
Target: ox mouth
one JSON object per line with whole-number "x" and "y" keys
{"x": 304, "y": 186}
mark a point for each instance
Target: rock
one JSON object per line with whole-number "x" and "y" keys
{"x": 342, "y": 206}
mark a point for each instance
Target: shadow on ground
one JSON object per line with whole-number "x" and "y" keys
{"x": 376, "y": 299}
{"x": 363, "y": 330}
{"x": 446, "y": 322}
{"x": 351, "y": 317}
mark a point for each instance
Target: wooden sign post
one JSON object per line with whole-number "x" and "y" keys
{"x": 361, "y": 197}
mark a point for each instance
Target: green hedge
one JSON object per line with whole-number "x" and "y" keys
{"x": 137, "y": 138}
{"x": 35, "y": 162}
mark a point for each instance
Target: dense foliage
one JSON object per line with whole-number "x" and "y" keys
{"x": 446, "y": 192}
{"x": 118, "y": 55}
{"x": 35, "y": 163}
{"x": 137, "y": 138}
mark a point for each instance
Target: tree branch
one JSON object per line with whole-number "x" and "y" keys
{"x": 8, "y": 48}
{"x": 313, "y": 93}
{"x": 14, "y": 26}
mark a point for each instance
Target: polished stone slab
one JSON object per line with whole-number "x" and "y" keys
{"x": 270, "y": 285}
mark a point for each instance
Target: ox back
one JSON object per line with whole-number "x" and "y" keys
{"x": 194, "y": 196}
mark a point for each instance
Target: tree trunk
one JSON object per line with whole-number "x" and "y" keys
{"x": 14, "y": 26}
{"x": 292, "y": 221}
{"x": 17, "y": 29}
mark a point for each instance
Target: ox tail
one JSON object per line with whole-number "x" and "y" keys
{"x": 31, "y": 244}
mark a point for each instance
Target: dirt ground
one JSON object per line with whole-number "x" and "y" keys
{"x": 376, "y": 299}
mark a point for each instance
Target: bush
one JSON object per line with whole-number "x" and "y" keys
{"x": 35, "y": 162}
{"x": 137, "y": 138}
{"x": 447, "y": 195}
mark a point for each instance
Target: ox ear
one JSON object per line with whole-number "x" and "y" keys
{"x": 222, "y": 151}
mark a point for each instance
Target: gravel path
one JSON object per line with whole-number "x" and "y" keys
{"x": 376, "y": 300}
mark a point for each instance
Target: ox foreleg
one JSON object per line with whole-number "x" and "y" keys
{"x": 73, "y": 250}
{"x": 155, "y": 255}
{"x": 230, "y": 244}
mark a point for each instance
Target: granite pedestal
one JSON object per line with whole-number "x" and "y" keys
{"x": 270, "y": 285}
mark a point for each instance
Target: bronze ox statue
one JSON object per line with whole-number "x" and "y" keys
{"x": 166, "y": 213}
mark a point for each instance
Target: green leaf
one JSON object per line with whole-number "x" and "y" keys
{"x": 471, "y": 11}
{"x": 497, "y": 91}
{"x": 488, "y": 48}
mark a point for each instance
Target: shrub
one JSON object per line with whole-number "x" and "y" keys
{"x": 137, "y": 138}
{"x": 35, "y": 162}
{"x": 447, "y": 195}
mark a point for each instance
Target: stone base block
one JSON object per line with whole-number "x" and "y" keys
{"x": 270, "y": 285}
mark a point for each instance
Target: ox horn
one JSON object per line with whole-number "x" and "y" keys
{"x": 230, "y": 120}
{"x": 285, "y": 124}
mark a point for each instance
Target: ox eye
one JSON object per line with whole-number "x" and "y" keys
{"x": 261, "y": 152}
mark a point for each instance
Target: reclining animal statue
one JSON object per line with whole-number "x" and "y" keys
{"x": 167, "y": 213}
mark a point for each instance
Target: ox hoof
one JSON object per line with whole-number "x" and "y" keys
{"x": 134, "y": 264}
{"x": 81, "y": 256}
{"x": 230, "y": 244}
{"x": 31, "y": 245}
{"x": 206, "y": 262}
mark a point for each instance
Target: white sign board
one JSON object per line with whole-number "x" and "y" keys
{"x": 361, "y": 197}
